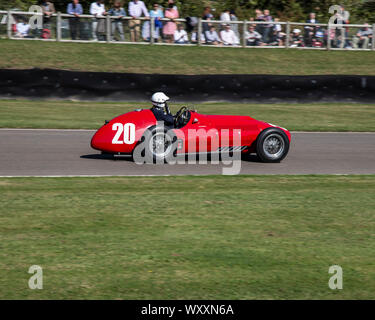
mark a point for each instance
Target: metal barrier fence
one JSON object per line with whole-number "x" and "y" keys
{"x": 153, "y": 31}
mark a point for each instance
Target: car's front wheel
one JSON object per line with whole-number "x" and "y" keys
{"x": 272, "y": 145}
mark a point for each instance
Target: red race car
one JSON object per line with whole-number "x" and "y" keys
{"x": 220, "y": 133}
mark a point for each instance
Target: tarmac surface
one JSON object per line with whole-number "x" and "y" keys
{"x": 54, "y": 152}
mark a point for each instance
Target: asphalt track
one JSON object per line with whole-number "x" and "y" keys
{"x": 68, "y": 153}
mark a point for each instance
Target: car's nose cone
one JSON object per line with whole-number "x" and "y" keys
{"x": 97, "y": 141}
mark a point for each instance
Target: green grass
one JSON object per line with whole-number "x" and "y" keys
{"x": 181, "y": 60}
{"x": 214, "y": 237}
{"x": 90, "y": 115}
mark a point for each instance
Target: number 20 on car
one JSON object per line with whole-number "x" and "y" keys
{"x": 125, "y": 133}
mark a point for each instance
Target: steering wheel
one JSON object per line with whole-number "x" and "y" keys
{"x": 180, "y": 115}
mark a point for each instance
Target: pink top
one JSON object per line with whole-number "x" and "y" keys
{"x": 170, "y": 27}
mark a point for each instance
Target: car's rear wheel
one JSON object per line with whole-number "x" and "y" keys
{"x": 272, "y": 145}
{"x": 160, "y": 145}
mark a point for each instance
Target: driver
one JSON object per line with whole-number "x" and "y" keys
{"x": 160, "y": 108}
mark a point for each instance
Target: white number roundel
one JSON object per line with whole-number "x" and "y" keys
{"x": 124, "y": 133}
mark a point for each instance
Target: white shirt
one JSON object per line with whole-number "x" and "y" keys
{"x": 225, "y": 16}
{"x": 180, "y": 36}
{"x": 23, "y": 28}
{"x": 252, "y": 35}
{"x": 212, "y": 36}
{"x": 97, "y": 9}
{"x": 194, "y": 37}
{"x": 137, "y": 8}
{"x": 345, "y": 15}
{"x": 229, "y": 37}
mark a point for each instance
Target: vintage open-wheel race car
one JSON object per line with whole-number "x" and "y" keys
{"x": 221, "y": 133}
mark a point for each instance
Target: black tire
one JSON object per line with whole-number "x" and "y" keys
{"x": 147, "y": 150}
{"x": 272, "y": 145}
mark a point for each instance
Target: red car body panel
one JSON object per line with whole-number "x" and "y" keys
{"x": 102, "y": 139}
{"x": 222, "y": 136}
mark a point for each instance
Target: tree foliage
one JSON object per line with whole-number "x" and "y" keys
{"x": 292, "y": 10}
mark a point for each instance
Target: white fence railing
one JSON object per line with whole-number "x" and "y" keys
{"x": 247, "y": 34}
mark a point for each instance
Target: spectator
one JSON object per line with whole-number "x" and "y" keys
{"x": 146, "y": 30}
{"x": 228, "y": 37}
{"x": 136, "y": 9}
{"x": 344, "y": 15}
{"x": 225, "y": 17}
{"x": 362, "y": 37}
{"x": 297, "y": 39}
{"x": 312, "y": 18}
{"x": 212, "y": 36}
{"x": 48, "y": 9}
{"x": 22, "y": 29}
{"x": 157, "y": 13}
{"x": 207, "y": 15}
{"x": 279, "y": 35}
{"x": 310, "y": 30}
{"x": 74, "y": 9}
{"x": 234, "y": 26}
{"x": 345, "y": 33}
{"x": 260, "y": 18}
{"x": 170, "y": 27}
{"x": 318, "y": 39}
{"x": 180, "y": 35}
{"x": 267, "y": 28}
{"x": 277, "y": 25}
{"x": 191, "y": 24}
{"x": 331, "y": 36}
{"x": 253, "y": 37}
{"x": 119, "y": 12}
{"x": 97, "y": 9}
{"x": 194, "y": 37}
{"x": 174, "y": 5}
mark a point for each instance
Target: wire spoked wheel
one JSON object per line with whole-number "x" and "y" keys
{"x": 160, "y": 144}
{"x": 157, "y": 145}
{"x": 272, "y": 145}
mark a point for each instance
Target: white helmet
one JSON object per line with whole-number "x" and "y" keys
{"x": 158, "y": 99}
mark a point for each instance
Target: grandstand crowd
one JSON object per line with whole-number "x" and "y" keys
{"x": 226, "y": 33}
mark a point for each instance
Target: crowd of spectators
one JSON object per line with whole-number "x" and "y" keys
{"x": 270, "y": 32}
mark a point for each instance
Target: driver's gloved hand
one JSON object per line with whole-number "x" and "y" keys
{"x": 168, "y": 110}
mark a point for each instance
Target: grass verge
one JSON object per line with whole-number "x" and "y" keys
{"x": 214, "y": 237}
{"x": 181, "y": 60}
{"x": 90, "y": 115}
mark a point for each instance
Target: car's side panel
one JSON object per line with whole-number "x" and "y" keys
{"x": 197, "y": 135}
{"x": 221, "y": 131}
{"x": 236, "y": 130}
